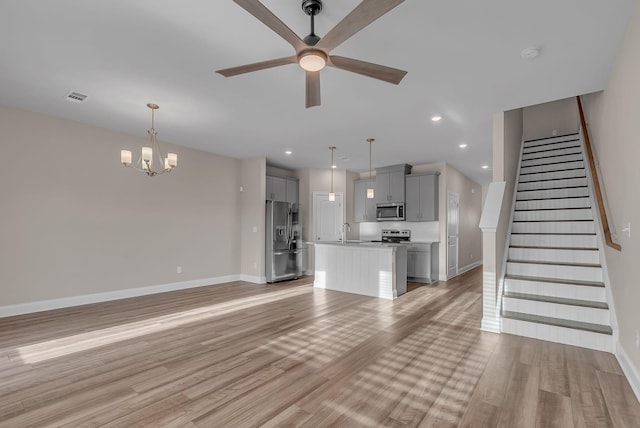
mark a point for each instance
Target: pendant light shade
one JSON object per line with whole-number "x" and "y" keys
{"x": 332, "y": 195}
{"x": 370, "y": 193}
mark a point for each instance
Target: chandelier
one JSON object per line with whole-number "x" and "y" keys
{"x": 151, "y": 156}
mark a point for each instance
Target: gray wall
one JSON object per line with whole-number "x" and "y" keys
{"x": 614, "y": 123}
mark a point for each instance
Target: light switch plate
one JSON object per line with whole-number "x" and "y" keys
{"x": 626, "y": 230}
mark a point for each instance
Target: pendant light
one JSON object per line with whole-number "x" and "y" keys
{"x": 332, "y": 195}
{"x": 370, "y": 193}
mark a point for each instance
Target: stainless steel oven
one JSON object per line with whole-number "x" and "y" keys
{"x": 390, "y": 212}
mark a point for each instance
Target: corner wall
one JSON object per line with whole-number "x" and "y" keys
{"x": 614, "y": 126}
{"x": 75, "y": 222}
{"x": 252, "y": 219}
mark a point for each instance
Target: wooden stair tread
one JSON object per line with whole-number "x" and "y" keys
{"x": 558, "y": 300}
{"x": 553, "y": 221}
{"x": 558, "y": 322}
{"x": 541, "y": 233}
{"x": 539, "y": 262}
{"x": 552, "y": 137}
{"x": 556, "y": 281}
{"x": 542, "y": 247}
{"x": 553, "y": 188}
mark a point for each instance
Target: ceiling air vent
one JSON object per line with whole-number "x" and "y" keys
{"x": 76, "y": 97}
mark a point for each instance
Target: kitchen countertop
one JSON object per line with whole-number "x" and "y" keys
{"x": 371, "y": 244}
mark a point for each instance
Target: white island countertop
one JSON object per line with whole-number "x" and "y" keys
{"x": 376, "y": 269}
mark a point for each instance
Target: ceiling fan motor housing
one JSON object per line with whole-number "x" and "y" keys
{"x": 311, "y": 7}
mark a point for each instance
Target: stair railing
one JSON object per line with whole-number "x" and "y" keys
{"x": 608, "y": 237}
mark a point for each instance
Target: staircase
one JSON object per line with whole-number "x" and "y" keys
{"x": 554, "y": 287}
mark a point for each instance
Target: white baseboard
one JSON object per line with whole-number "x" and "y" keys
{"x": 443, "y": 276}
{"x": 629, "y": 369}
{"x": 65, "y": 302}
{"x": 469, "y": 267}
{"x": 253, "y": 279}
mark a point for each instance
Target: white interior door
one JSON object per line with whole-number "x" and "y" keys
{"x": 452, "y": 234}
{"x": 327, "y": 216}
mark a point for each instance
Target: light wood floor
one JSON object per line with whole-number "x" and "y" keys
{"x": 240, "y": 355}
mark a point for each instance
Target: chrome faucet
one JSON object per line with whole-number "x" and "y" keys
{"x": 345, "y": 227}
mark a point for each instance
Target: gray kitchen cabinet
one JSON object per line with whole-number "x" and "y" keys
{"x": 390, "y": 183}
{"x": 420, "y": 259}
{"x": 364, "y": 209}
{"x": 282, "y": 189}
{"x": 422, "y": 197}
{"x": 292, "y": 190}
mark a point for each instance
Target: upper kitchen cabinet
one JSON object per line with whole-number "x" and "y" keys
{"x": 390, "y": 183}
{"x": 363, "y": 209}
{"x": 422, "y": 197}
{"x": 282, "y": 189}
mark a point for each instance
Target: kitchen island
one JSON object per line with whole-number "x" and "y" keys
{"x": 367, "y": 268}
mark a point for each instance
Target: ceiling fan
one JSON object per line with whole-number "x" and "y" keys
{"x": 312, "y": 52}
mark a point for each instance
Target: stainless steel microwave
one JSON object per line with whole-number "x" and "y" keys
{"x": 390, "y": 212}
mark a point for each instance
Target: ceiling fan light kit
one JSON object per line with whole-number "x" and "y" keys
{"x": 312, "y": 52}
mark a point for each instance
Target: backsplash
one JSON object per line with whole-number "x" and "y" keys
{"x": 420, "y": 231}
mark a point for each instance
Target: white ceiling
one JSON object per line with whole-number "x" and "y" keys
{"x": 462, "y": 57}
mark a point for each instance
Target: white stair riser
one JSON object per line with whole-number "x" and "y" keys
{"x": 553, "y": 204}
{"x": 569, "y": 336}
{"x": 550, "y": 140}
{"x": 554, "y": 184}
{"x": 565, "y": 241}
{"x": 552, "y": 255}
{"x": 552, "y": 153}
{"x": 579, "y": 214}
{"x": 556, "y": 310}
{"x": 579, "y": 227}
{"x": 552, "y": 160}
{"x": 553, "y": 289}
{"x": 550, "y": 168}
{"x": 579, "y": 273}
{"x": 554, "y": 146}
{"x": 574, "y": 173}
{"x": 574, "y": 192}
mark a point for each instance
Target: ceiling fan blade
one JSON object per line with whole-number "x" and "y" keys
{"x": 377, "y": 71}
{"x": 257, "y": 9}
{"x": 313, "y": 89}
{"x": 364, "y": 14}
{"x": 247, "y": 68}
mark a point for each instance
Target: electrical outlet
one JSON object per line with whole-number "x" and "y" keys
{"x": 255, "y": 229}
{"x": 179, "y": 269}
{"x": 555, "y": 132}
{"x": 255, "y": 265}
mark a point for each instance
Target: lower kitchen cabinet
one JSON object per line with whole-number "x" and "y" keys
{"x": 422, "y": 262}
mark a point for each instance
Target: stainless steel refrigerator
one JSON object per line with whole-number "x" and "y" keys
{"x": 284, "y": 252}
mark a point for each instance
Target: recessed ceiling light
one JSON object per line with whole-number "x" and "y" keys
{"x": 436, "y": 118}
{"x": 334, "y": 166}
{"x": 530, "y": 53}
{"x": 485, "y": 166}
{"x": 462, "y": 146}
{"x": 288, "y": 152}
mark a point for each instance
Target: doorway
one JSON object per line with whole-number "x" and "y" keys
{"x": 452, "y": 234}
